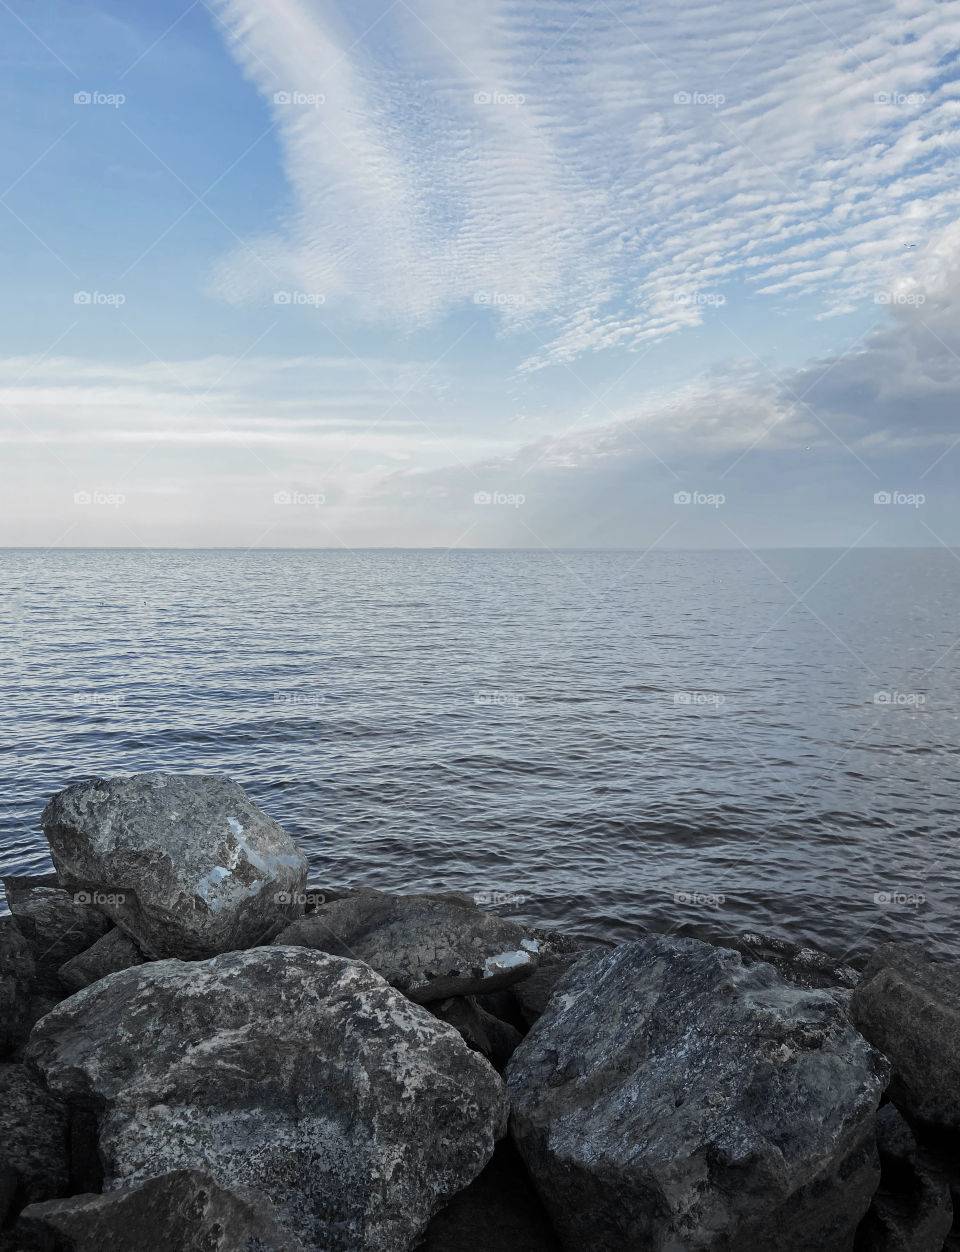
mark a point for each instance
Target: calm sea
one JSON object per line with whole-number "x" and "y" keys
{"x": 603, "y": 741}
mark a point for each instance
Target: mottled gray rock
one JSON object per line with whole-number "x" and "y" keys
{"x": 113, "y": 952}
{"x": 912, "y": 1211}
{"x": 533, "y": 994}
{"x": 182, "y": 1211}
{"x": 908, "y": 1005}
{"x": 672, "y": 1098}
{"x": 55, "y": 923}
{"x": 427, "y": 946}
{"x": 484, "y": 1032}
{"x": 18, "y": 976}
{"x": 499, "y": 1212}
{"x": 297, "y": 1073}
{"x": 801, "y": 964}
{"x": 34, "y": 1136}
{"x": 186, "y": 864}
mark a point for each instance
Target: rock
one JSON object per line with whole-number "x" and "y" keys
{"x": 427, "y": 947}
{"x": 800, "y": 964}
{"x": 484, "y": 1032}
{"x": 908, "y": 1005}
{"x": 302, "y": 1075}
{"x": 18, "y": 977}
{"x": 34, "y": 1136}
{"x": 533, "y": 994}
{"x": 499, "y": 1212}
{"x": 185, "y": 864}
{"x": 9, "y": 1181}
{"x": 56, "y": 924}
{"x": 113, "y": 952}
{"x": 912, "y": 1211}
{"x": 671, "y": 1097}
{"x": 184, "y": 1211}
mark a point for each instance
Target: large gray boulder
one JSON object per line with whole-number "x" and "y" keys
{"x": 186, "y": 864}
{"x": 302, "y": 1075}
{"x": 671, "y": 1098}
{"x": 428, "y": 946}
{"x": 908, "y": 1005}
{"x": 183, "y": 1211}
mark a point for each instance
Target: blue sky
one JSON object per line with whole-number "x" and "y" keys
{"x": 290, "y": 272}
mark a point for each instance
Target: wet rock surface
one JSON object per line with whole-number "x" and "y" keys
{"x": 908, "y": 1005}
{"x": 182, "y": 1211}
{"x": 185, "y": 864}
{"x": 672, "y": 1097}
{"x": 18, "y": 978}
{"x": 297, "y": 1073}
{"x": 427, "y": 946}
{"x": 800, "y": 964}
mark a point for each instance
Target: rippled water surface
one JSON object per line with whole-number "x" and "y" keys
{"x": 610, "y": 740}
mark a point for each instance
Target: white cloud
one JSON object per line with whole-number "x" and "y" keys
{"x": 593, "y": 209}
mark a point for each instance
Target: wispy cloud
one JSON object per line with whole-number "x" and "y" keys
{"x": 595, "y": 173}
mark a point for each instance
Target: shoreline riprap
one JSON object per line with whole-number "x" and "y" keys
{"x": 200, "y": 1051}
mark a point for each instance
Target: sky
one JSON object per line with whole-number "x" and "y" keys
{"x": 297, "y": 273}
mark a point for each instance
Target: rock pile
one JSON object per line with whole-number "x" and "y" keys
{"x": 199, "y": 1052}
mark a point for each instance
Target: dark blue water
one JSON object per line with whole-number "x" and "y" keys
{"x": 612, "y": 741}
